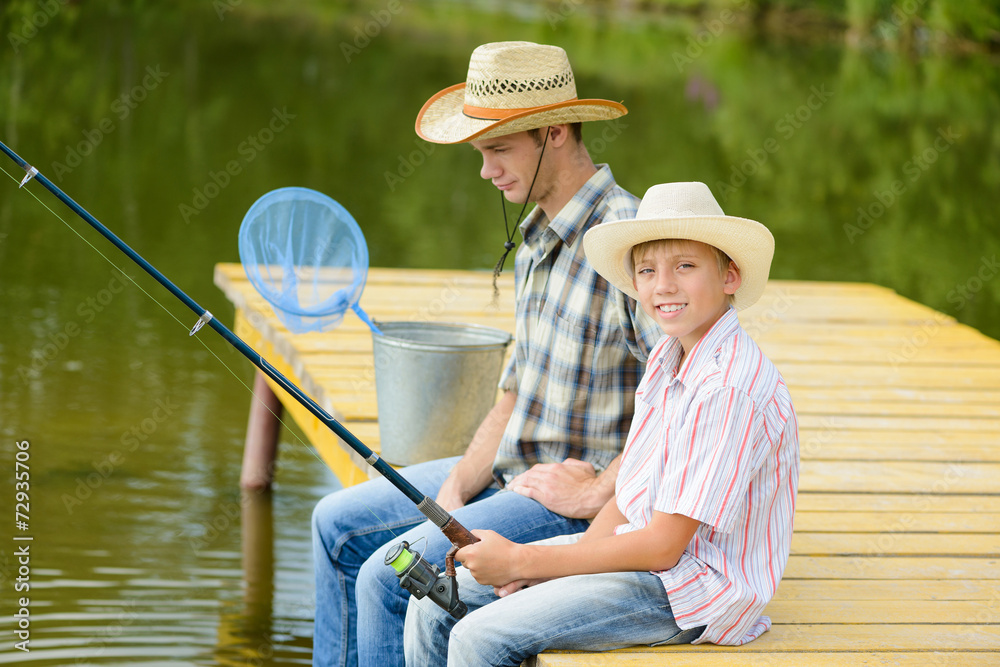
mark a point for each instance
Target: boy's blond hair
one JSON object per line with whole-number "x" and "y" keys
{"x": 722, "y": 259}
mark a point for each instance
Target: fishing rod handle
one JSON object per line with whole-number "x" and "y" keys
{"x": 457, "y": 534}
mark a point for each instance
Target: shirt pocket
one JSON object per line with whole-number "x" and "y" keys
{"x": 573, "y": 342}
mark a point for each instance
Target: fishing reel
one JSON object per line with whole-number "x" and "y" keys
{"x": 422, "y": 579}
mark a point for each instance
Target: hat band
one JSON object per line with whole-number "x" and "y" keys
{"x": 487, "y": 113}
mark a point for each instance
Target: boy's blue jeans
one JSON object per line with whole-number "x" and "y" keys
{"x": 593, "y": 612}
{"x": 360, "y": 606}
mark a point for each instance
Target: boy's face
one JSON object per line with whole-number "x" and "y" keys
{"x": 509, "y": 162}
{"x": 681, "y": 288}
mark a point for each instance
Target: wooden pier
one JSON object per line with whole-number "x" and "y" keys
{"x": 896, "y": 551}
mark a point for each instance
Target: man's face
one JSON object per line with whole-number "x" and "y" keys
{"x": 681, "y": 288}
{"x": 509, "y": 162}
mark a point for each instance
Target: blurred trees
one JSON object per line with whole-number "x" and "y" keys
{"x": 839, "y": 150}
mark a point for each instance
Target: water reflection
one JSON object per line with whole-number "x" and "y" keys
{"x": 245, "y": 633}
{"x": 146, "y": 552}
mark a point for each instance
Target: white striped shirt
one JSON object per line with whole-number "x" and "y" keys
{"x": 717, "y": 441}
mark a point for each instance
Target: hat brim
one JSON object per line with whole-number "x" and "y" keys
{"x": 747, "y": 242}
{"x": 442, "y": 119}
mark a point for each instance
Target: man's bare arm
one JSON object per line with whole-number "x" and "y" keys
{"x": 474, "y": 471}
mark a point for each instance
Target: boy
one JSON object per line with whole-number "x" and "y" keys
{"x": 693, "y": 544}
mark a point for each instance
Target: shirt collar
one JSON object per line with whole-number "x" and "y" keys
{"x": 573, "y": 218}
{"x": 703, "y": 350}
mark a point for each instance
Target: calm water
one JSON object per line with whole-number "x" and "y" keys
{"x": 866, "y": 165}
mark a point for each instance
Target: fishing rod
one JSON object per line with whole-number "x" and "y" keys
{"x": 416, "y": 575}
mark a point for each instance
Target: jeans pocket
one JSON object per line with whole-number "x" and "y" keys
{"x": 682, "y": 637}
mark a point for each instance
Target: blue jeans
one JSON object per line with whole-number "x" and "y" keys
{"x": 593, "y": 612}
{"x": 360, "y": 606}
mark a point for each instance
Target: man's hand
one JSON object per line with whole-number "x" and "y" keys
{"x": 571, "y": 488}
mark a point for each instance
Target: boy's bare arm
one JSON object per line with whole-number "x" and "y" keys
{"x": 496, "y": 561}
{"x": 604, "y": 524}
{"x": 474, "y": 471}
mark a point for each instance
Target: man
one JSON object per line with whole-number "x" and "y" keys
{"x": 554, "y": 438}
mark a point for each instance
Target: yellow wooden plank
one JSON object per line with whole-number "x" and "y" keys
{"x": 961, "y": 635}
{"x": 801, "y": 293}
{"x": 651, "y": 658}
{"x": 906, "y": 409}
{"x": 821, "y": 590}
{"x": 946, "y": 333}
{"x": 822, "y": 438}
{"x": 819, "y": 373}
{"x": 900, "y": 477}
{"x": 890, "y": 356}
{"x": 877, "y": 392}
{"x": 353, "y": 410}
{"x": 842, "y": 310}
{"x": 895, "y": 543}
{"x": 891, "y": 567}
{"x": 884, "y": 611}
{"x": 958, "y": 640}
{"x": 904, "y": 503}
{"x": 891, "y": 423}
{"x": 815, "y": 450}
{"x": 830, "y": 430}
{"x": 913, "y": 520}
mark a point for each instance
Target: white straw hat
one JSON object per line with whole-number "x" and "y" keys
{"x": 510, "y": 87}
{"x": 682, "y": 211}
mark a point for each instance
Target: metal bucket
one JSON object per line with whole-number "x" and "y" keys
{"x": 435, "y": 383}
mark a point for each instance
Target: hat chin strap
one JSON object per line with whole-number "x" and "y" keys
{"x": 509, "y": 245}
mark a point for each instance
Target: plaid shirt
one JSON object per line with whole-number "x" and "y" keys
{"x": 580, "y": 347}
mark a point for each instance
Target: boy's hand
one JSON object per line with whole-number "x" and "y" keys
{"x": 493, "y": 560}
{"x": 571, "y": 488}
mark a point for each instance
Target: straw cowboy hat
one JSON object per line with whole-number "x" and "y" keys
{"x": 511, "y": 87}
{"x": 682, "y": 211}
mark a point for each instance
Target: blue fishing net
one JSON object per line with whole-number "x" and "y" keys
{"x": 304, "y": 253}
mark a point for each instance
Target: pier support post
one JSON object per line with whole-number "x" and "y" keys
{"x": 261, "y": 447}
